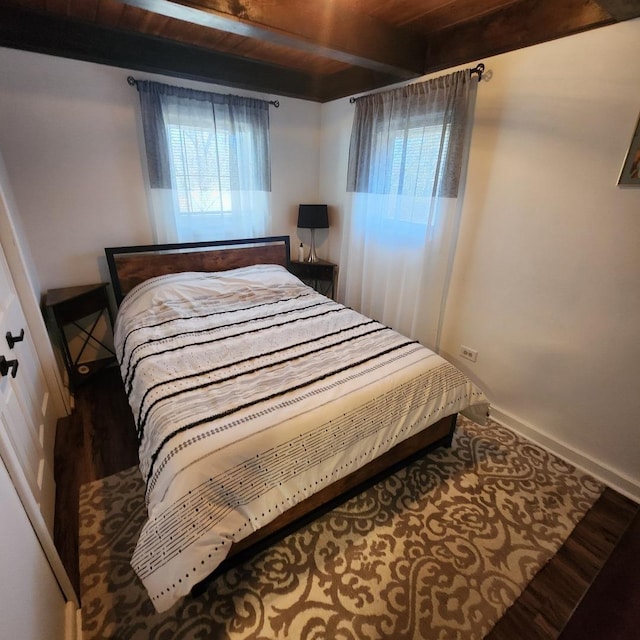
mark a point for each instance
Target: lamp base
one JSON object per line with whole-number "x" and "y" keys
{"x": 312, "y": 251}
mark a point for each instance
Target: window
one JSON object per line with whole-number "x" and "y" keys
{"x": 408, "y": 151}
{"x": 417, "y": 154}
{"x": 201, "y": 170}
{"x": 209, "y": 164}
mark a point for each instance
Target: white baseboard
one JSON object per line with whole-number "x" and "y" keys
{"x": 620, "y": 482}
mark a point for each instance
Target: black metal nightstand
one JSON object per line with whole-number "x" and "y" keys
{"x": 69, "y": 305}
{"x": 320, "y": 275}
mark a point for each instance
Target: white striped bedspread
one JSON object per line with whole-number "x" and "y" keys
{"x": 251, "y": 392}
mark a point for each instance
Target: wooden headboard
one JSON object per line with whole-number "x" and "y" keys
{"x": 129, "y": 266}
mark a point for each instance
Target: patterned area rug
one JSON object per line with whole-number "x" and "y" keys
{"x": 439, "y": 550}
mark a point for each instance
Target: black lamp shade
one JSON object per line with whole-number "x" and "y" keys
{"x": 313, "y": 216}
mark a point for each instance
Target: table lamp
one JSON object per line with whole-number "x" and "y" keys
{"x": 313, "y": 216}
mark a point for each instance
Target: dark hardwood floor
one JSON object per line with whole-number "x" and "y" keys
{"x": 594, "y": 576}
{"x": 95, "y": 441}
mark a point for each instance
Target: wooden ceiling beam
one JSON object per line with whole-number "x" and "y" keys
{"x": 526, "y": 23}
{"x": 58, "y": 36}
{"x": 353, "y": 81}
{"x": 621, "y": 10}
{"x": 311, "y": 26}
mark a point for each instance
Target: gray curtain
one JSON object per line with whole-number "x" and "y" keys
{"x": 407, "y": 163}
{"x": 236, "y": 111}
{"x": 383, "y": 121}
{"x": 208, "y": 161}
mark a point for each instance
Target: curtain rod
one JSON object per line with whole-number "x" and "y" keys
{"x": 479, "y": 69}
{"x": 133, "y": 83}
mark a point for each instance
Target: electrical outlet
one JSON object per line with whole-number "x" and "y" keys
{"x": 468, "y": 353}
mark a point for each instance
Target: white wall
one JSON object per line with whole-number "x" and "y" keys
{"x": 69, "y": 134}
{"x": 546, "y": 284}
{"x": 336, "y": 121}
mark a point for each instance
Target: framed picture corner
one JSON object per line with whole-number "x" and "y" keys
{"x": 630, "y": 173}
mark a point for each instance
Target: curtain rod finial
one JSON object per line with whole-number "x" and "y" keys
{"x": 132, "y": 81}
{"x": 479, "y": 69}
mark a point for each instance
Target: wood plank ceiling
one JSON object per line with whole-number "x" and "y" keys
{"x": 312, "y": 49}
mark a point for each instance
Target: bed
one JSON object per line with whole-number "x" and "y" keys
{"x": 258, "y": 401}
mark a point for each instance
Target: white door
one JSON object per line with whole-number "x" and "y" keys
{"x": 32, "y": 607}
{"x": 27, "y": 418}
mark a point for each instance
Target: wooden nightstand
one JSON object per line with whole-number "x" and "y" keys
{"x": 65, "y": 309}
{"x": 320, "y": 275}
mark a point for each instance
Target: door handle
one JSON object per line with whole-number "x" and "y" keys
{"x": 7, "y": 366}
{"x": 11, "y": 340}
